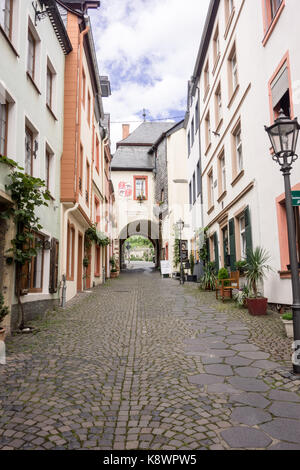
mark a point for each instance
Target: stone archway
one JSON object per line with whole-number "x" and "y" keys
{"x": 144, "y": 228}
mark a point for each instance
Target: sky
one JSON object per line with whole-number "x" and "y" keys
{"x": 148, "y": 48}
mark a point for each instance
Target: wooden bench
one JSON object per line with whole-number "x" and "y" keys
{"x": 227, "y": 285}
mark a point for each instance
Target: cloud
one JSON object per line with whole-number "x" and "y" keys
{"x": 148, "y": 48}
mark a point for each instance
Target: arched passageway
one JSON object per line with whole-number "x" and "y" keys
{"x": 144, "y": 228}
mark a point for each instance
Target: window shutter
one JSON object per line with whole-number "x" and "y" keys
{"x": 280, "y": 85}
{"x": 216, "y": 246}
{"x": 23, "y": 273}
{"x": 208, "y": 250}
{"x": 232, "y": 245}
{"x": 53, "y": 278}
{"x": 248, "y": 231}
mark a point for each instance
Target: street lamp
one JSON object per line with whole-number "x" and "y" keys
{"x": 180, "y": 226}
{"x": 283, "y": 135}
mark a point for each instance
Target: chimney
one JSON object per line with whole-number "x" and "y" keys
{"x": 125, "y": 128}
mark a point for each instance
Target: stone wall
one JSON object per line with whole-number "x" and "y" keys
{"x": 32, "y": 310}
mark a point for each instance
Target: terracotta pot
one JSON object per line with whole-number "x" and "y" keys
{"x": 114, "y": 274}
{"x": 2, "y": 334}
{"x": 257, "y": 306}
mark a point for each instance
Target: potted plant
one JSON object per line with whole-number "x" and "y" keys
{"x": 241, "y": 297}
{"x": 223, "y": 274}
{"x": 287, "y": 319}
{"x": 208, "y": 280}
{"x": 85, "y": 262}
{"x": 113, "y": 272}
{"x": 4, "y": 310}
{"x": 241, "y": 266}
{"x": 256, "y": 269}
{"x": 141, "y": 198}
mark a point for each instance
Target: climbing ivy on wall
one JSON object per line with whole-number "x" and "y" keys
{"x": 27, "y": 193}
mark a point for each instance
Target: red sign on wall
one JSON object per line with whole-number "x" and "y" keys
{"x": 125, "y": 189}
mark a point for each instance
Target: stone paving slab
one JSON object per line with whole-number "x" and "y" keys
{"x": 124, "y": 368}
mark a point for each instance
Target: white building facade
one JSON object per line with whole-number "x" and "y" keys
{"x": 32, "y": 86}
{"x": 246, "y": 71}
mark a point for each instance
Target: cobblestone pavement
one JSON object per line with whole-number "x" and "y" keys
{"x": 143, "y": 363}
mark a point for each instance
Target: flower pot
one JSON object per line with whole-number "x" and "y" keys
{"x": 288, "y": 324}
{"x": 257, "y": 306}
{"x": 2, "y": 334}
{"x": 114, "y": 274}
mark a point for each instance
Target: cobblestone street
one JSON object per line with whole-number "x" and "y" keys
{"x": 143, "y": 363}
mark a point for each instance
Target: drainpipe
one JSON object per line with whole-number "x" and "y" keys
{"x": 78, "y": 124}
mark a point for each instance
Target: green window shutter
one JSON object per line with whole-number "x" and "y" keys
{"x": 208, "y": 250}
{"x": 232, "y": 245}
{"x": 248, "y": 231}
{"x": 216, "y": 251}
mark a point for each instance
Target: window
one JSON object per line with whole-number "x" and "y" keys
{"x": 216, "y": 47}
{"x": 237, "y": 151}
{"x": 97, "y": 212}
{"x": 198, "y": 178}
{"x": 222, "y": 174}
{"x": 206, "y": 79}
{"x": 271, "y": 11}
{"x": 297, "y": 225}
{"x": 54, "y": 261}
{"x": 210, "y": 184}
{"x": 189, "y": 142}
{"x": 80, "y": 169}
{"x": 33, "y": 270}
{"x": 6, "y": 14}
{"x": 97, "y": 261}
{"x": 218, "y": 106}
{"x": 283, "y": 231}
{"x": 193, "y": 131}
{"x": 28, "y": 151}
{"x": 70, "y": 252}
{"x": 207, "y": 131}
{"x": 197, "y": 116}
{"x": 140, "y": 187}
{"x": 97, "y": 155}
{"x": 49, "y": 87}
{"x": 3, "y": 128}
{"x": 47, "y": 170}
{"x": 31, "y": 55}
{"x": 242, "y": 230}
{"x": 194, "y": 188}
{"x": 232, "y": 73}
{"x": 229, "y": 6}
{"x": 162, "y": 195}
{"x": 225, "y": 239}
{"x": 280, "y": 92}
{"x": 87, "y": 189}
{"x": 83, "y": 87}
{"x": 89, "y": 108}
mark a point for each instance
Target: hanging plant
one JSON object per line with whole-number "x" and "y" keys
{"x": 176, "y": 253}
{"x": 27, "y": 193}
{"x": 92, "y": 235}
